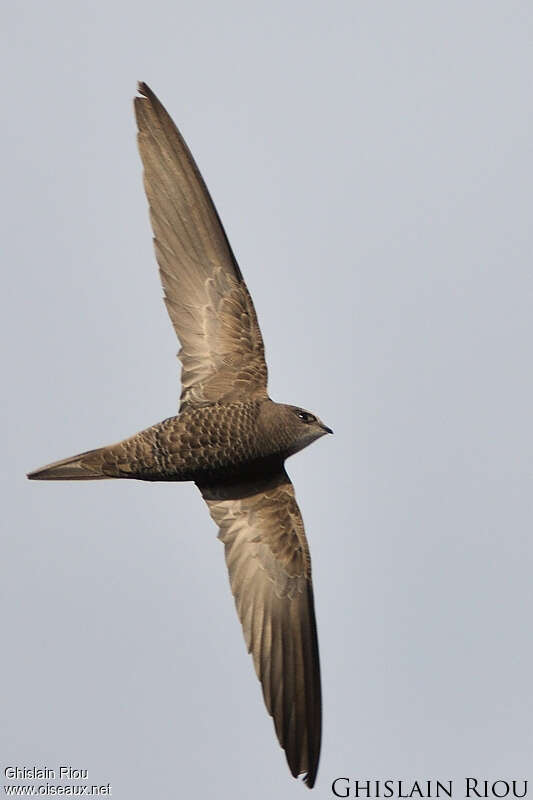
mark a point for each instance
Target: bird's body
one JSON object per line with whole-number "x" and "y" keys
{"x": 229, "y": 437}
{"x": 208, "y": 444}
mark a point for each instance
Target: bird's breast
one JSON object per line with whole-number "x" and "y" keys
{"x": 208, "y": 440}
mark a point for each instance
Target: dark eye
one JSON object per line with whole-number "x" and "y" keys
{"x": 305, "y": 417}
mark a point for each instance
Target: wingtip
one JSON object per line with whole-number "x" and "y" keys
{"x": 309, "y": 779}
{"x": 143, "y": 90}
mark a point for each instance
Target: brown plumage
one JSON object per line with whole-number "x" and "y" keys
{"x": 229, "y": 438}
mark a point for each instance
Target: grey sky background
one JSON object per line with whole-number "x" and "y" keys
{"x": 372, "y": 165}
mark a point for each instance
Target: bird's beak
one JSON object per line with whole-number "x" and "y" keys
{"x": 326, "y": 429}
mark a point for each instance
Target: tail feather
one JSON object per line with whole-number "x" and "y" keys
{"x": 82, "y": 467}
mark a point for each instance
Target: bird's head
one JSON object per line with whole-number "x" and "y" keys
{"x": 297, "y": 427}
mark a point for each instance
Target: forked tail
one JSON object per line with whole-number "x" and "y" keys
{"x": 87, "y": 466}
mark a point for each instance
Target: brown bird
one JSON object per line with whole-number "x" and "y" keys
{"x": 229, "y": 437}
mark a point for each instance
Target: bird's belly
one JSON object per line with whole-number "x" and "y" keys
{"x": 190, "y": 448}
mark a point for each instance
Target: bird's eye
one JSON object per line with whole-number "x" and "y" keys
{"x": 305, "y": 417}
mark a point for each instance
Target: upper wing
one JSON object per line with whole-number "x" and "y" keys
{"x": 270, "y": 576}
{"x": 212, "y": 312}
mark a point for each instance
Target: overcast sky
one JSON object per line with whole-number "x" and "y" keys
{"x": 372, "y": 164}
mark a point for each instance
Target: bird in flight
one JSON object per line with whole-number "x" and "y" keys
{"x": 229, "y": 437}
